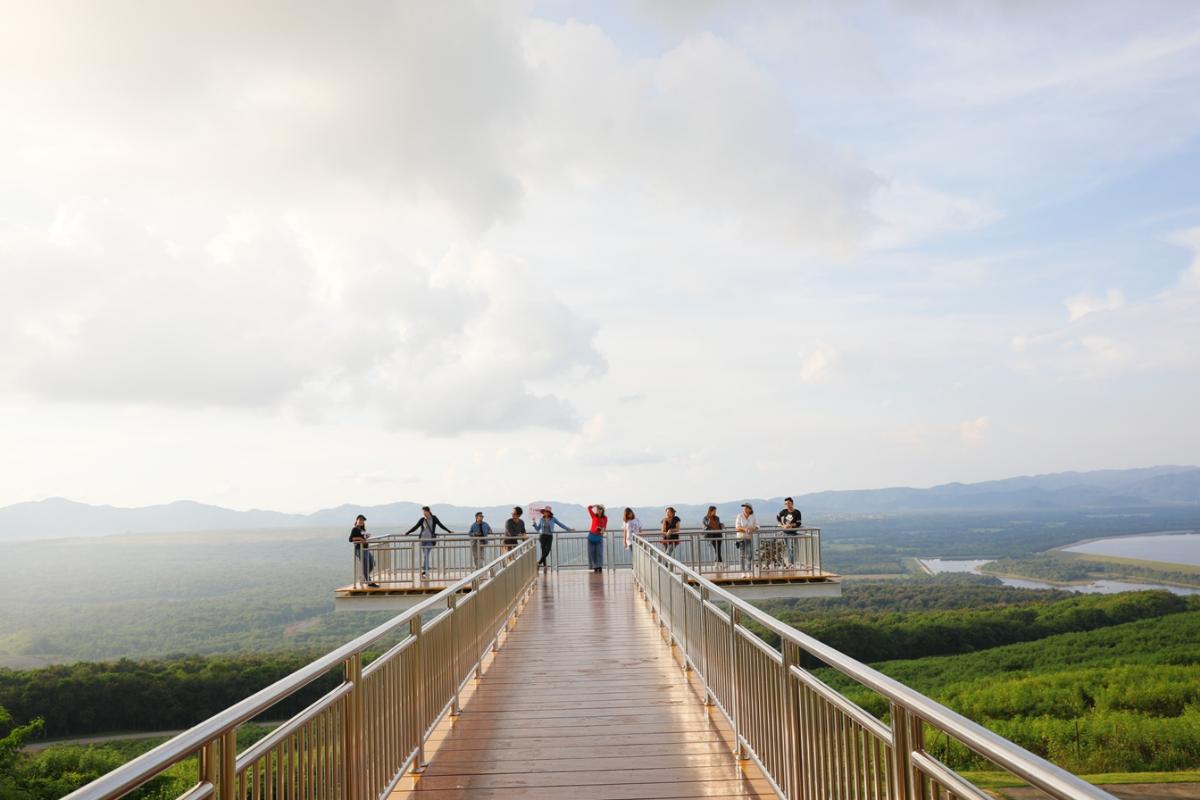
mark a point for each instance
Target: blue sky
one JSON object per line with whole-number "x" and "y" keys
{"x": 637, "y": 252}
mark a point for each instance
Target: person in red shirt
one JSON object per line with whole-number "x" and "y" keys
{"x": 595, "y": 539}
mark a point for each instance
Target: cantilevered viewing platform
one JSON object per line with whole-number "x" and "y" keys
{"x": 632, "y": 684}
{"x": 770, "y": 564}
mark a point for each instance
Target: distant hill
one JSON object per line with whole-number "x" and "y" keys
{"x": 1128, "y": 488}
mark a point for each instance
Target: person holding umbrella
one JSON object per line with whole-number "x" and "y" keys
{"x": 545, "y": 529}
{"x": 595, "y": 539}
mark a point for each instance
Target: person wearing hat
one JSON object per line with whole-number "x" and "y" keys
{"x": 359, "y": 535}
{"x": 545, "y": 529}
{"x": 595, "y": 538}
{"x": 746, "y": 524}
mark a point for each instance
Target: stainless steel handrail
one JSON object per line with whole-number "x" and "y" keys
{"x": 146, "y": 766}
{"x": 915, "y": 706}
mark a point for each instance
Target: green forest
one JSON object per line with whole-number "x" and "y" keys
{"x": 1063, "y": 567}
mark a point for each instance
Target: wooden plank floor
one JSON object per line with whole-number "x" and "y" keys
{"x": 584, "y": 701}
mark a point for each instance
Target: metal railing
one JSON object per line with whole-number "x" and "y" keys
{"x": 405, "y": 560}
{"x": 766, "y": 552}
{"x": 359, "y": 739}
{"x": 811, "y": 741}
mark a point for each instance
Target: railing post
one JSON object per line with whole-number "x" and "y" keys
{"x": 735, "y": 618}
{"x": 789, "y": 654}
{"x": 415, "y": 628}
{"x": 353, "y": 738}
{"x": 683, "y": 594}
{"x": 455, "y": 626}
{"x": 208, "y": 763}
{"x": 229, "y": 764}
{"x": 708, "y": 697}
{"x": 907, "y": 736}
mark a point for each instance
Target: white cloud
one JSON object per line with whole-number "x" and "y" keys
{"x": 972, "y": 431}
{"x": 1084, "y": 303}
{"x": 109, "y": 313}
{"x": 816, "y": 365}
{"x": 1155, "y": 334}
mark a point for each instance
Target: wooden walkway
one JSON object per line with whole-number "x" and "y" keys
{"x": 584, "y": 701}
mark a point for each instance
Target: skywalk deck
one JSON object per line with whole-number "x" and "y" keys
{"x": 585, "y": 700}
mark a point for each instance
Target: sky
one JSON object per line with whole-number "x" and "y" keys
{"x": 293, "y": 255}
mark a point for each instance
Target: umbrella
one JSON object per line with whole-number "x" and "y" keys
{"x": 538, "y": 507}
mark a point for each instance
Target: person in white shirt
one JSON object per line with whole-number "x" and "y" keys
{"x": 746, "y": 524}
{"x": 632, "y": 526}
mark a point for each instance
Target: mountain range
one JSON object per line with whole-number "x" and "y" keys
{"x": 1127, "y": 488}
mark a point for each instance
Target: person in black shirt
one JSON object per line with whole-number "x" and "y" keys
{"x": 670, "y": 530}
{"x": 514, "y": 529}
{"x": 427, "y": 525}
{"x": 789, "y": 521}
{"x": 359, "y": 535}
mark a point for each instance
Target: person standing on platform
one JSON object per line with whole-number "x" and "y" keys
{"x": 670, "y": 530}
{"x": 427, "y": 525}
{"x": 632, "y": 526}
{"x": 545, "y": 529}
{"x": 514, "y": 529}
{"x": 480, "y": 531}
{"x": 746, "y": 524}
{"x": 359, "y": 535}
{"x": 595, "y": 538}
{"x": 789, "y": 521}
{"x": 714, "y": 530}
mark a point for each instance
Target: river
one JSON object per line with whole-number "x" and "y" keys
{"x": 938, "y": 565}
{"x": 1173, "y": 548}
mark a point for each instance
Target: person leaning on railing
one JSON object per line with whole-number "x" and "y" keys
{"x": 545, "y": 529}
{"x": 670, "y": 530}
{"x": 714, "y": 530}
{"x": 427, "y": 525}
{"x": 359, "y": 535}
{"x": 632, "y": 526}
{"x": 746, "y": 524}
{"x": 514, "y": 529}
{"x": 479, "y": 532}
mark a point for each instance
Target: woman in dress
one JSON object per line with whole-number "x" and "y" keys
{"x": 595, "y": 537}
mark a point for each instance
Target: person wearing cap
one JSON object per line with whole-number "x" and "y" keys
{"x": 789, "y": 522}
{"x": 746, "y": 524}
{"x": 595, "y": 538}
{"x": 479, "y": 532}
{"x": 545, "y": 529}
{"x": 427, "y": 525}
{"x": 359, "y": 536}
